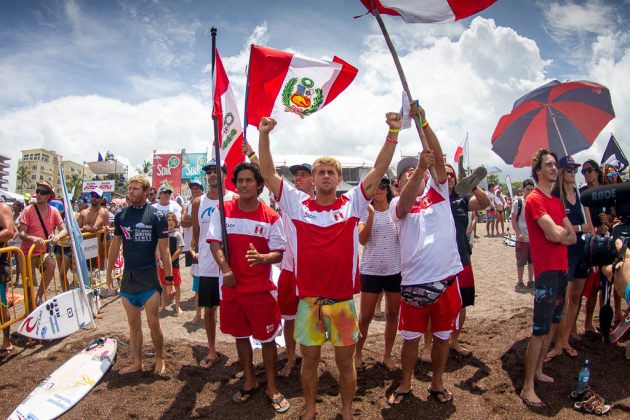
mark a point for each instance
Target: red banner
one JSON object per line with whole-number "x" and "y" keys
{"x": 167, "y": 169}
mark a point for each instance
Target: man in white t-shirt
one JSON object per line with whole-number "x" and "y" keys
{"x": 324, "y": 238}
{"x": 523, "y": 256}
{"x": 209, "y": 288}
{"x": 430, "y": 264}
{"x": 165, "y": 203}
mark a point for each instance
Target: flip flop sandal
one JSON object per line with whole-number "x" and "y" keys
{"x": 445, "y": 394}
{"x": 278, "y": 401}
{"x": 244, "y": 393}
{"x": 208, "y": 362}
{"x": 594, "y": 405}
{"x": 396, "y": 394}
{"x": 5, "y": 354}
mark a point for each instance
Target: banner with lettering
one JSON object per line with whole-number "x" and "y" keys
{"x": 191, "y": 170}
{"x": 105, "y": 185}
{"x": 167, "y": 169}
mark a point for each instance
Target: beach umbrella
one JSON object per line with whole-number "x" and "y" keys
{"x": 563, "y": 117}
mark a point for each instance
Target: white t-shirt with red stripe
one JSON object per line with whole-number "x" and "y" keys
{"x": 325, "y": 241}
{"x": 427, "y": 237}
{"x": 263, "y": 229}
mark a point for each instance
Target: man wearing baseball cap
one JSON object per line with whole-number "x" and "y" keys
{"x": 92, "y": 219}
{"x": 37, "y": 224}
{"x": 196, "y": 190}
{"x": 165, "y": 203}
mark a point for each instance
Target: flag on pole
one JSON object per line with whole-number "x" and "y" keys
{"x": 289, "y": 87}
{"x": 433, "y": 11}
{"x": 230, "y": 128}
{"x": 461, "y": 149}
{"x": 100, "y": 157}
{"x": 613, "y": 155}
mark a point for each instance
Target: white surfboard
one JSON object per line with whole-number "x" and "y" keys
{"x": 58, "y": 317}
{"x": 69, "y": 383}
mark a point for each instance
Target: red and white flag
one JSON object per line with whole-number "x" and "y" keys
{"x": 462, "y": 149}
{"x": 230, "y": 128}
{"x": 289, "y": 87}
{"x": 428, "y": 11}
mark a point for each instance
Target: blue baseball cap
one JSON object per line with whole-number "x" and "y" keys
{"x": 302, "y": 167}
{"x": 212, "y": 164}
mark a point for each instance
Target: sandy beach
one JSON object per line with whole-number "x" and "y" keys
{"x": 485, "y": 384}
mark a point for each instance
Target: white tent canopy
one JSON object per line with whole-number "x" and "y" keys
{"x": 9, "y": 196}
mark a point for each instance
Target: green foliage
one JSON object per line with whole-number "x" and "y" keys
{"x": 317, "y": 101}
{"x": 493, "y": 179}
{"x": 23, "y": 176}
{"x": 286, "y": 93}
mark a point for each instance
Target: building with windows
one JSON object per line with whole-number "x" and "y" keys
{"x": 4, "y": 172}
{"x": 42, "y": 165}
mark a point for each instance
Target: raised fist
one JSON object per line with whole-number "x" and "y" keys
{"x": 266, "y": 125}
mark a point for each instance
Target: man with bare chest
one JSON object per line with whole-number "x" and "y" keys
{"x": 93, "y": 219}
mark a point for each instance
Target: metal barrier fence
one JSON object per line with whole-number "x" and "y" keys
{"x": 59, "y": 258}
{"x": 14, "y": 309}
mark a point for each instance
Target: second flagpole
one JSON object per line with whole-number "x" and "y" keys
{"x": 217, "y": 149}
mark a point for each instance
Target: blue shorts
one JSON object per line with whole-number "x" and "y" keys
{"x": 195, "y": 284}
{"x": 139, "y": 299}
{"x": 627, "y": 292}
{"x": 3, "y": 294}
{"x": 549, "y": 298}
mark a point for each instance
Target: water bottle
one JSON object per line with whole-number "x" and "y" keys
{"x": 583, "y": 378}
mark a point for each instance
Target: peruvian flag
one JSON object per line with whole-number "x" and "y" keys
{"x": 461, "y": 149}
{"x": 288, "y": 87}
{"x": 230, "y": 129}
{"x": 428, "y": 11}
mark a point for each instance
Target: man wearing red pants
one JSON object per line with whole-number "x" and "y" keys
{"x": 255, "y": 240}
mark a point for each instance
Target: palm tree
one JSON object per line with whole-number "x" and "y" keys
{"x": 75, "y": 182}
{"x": 145, "y": 168}
{"x": 23, "y": 175}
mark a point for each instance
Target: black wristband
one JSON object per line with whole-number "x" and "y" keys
{"x": 168, "y": 279}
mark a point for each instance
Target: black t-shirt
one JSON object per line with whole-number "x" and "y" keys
{"x": 140, "y": 228}
{"x": 576, "y": 217}
{"x": 459, "y": 208}
{"x": 594, "y": 210}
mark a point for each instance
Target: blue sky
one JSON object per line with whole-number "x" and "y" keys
{"x": 133, "y": 76}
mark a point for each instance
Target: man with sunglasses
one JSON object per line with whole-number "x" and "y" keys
{"x": 208, "y": 293}
{"x": 93, "y": 219}
{"x": 165, "y": 204}
{"x": 37, "y": 224}
{"x": 152, "y": 197}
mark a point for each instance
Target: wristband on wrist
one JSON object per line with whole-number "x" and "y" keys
{"x": 424, "y": 124}
{"x": 251, "y": 155}
{"x": 391, "y": 140}
{"x": 168, "y": 279}
{"x": 228, "y": 274}
{"x": 394, "y": 130}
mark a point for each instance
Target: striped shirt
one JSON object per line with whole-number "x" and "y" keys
{"x": 381, "y": 254}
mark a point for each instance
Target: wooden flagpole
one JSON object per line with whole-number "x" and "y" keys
{"x": 217, "y": 149}
{"x": 403, "y": 80}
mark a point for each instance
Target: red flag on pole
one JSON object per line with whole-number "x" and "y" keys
{"x": 289, "y": 87}
{"x": 230, "y": 128}
{"x": 461, "y": 149}
{"x": 422, "y": 11}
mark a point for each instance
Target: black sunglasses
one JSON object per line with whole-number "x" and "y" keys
{"x": 382, "y": 186}
{"x": 571, "y": 170}
{"x": 42, "y": 192}
{"x": 587, "y": 170}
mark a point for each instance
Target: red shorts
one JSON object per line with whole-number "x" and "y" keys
{"x": 466, "y": 278}
{"x": 287, "y": 295}
{"x": 591, "y": 285}
{"x": 255, "y": 314}
{"x": 443, "y": 315}
{"x": 177, "y": 280}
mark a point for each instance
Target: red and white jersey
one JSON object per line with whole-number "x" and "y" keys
{"x": 287, "y": 257}
{"x": 263, "y": 229}
{"x": 207, "y": 207}
{"x": 325, "y": 241}
{"x": 427, "y": 237}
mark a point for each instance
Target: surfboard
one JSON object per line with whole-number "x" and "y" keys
{"x": 67, "y": 385}
{"x": 58, "y": 317}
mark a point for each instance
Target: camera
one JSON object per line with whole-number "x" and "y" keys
{"x": 600, "y": 250}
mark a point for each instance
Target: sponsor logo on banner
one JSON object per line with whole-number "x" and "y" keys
{"x": 105, "y": 186}
{"x": 167, "y": 168}
{"x": 302, "y": 98}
